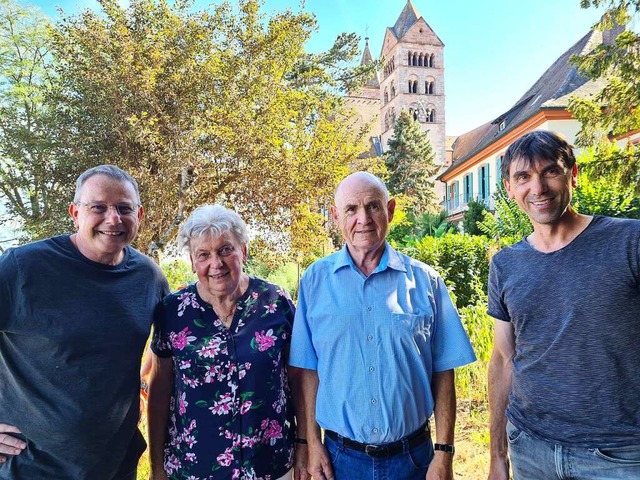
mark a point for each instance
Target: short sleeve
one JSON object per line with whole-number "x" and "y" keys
{"x": 451, "y": 346}
{"x": 160, "y": 342}
{"x": 496, "y": 306}
{"x": 302, "y": 354}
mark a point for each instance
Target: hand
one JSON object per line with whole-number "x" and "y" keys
{"x": 300, "y": 462}
{"x": 319, "y": 463}
{"x": 9, "y": 445}
{"x": 441, "y": 467}
{"x": 499, "y": 469}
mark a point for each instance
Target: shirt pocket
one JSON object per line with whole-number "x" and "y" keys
{"x": 412, "y": 323}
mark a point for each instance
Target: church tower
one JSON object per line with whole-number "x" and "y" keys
{"x": 365, "y": 102}
{"x": 412, "y": 77}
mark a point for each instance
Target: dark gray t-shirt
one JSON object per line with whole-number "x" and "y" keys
{"x": 72, "y": 334}
{"x": 576, "y": 317}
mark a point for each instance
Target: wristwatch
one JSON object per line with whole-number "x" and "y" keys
{"x": 444, "y": 447}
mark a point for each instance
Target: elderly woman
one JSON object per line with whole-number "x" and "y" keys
{"x": 219, "y": 402}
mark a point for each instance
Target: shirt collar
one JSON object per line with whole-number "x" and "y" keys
{"x": 390, "y": 259}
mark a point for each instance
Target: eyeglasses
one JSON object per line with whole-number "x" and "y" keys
{"x": 123, "y": 209}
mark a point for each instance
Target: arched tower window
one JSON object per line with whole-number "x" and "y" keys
{"x": 420, "y": 60}
{"x": 430, "y": 86}
{"x": 409, "y": 57}
{"x": 432, "y": 60}
{"x": 386, "y": 95}
{"x": 415, "y": 59}
{"x": 393, "y": 90}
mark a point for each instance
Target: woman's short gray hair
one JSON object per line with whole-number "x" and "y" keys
{"x": 212, "y": 220}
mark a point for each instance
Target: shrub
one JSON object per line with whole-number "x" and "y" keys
{"x": 178, "y": 273}
{"x": 461, "y": 260}
{"x": 286, "y": 276}
{"x": 471, "y": 380}
{"x": 472, "y": 217}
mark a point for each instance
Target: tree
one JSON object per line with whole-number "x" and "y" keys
{"x": 412, "y": 229}
{"x": 509, "y": 222}
{"x": 221, "y": 106}
{"x": 613, "y": 112}
{"x": 410, "y": 163}
{"x": 604, "y": 195}
{"x": 474, "y": 214}
{"x": 36, "y": 177}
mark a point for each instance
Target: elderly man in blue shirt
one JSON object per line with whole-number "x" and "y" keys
{"x": 376, "y": 337}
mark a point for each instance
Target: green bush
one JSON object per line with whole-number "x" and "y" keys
{"x": 178, "y": 273}
{"x": 471, "y": 380}
{"x": 461, "y": 260}
{"x": 286, "y": 276}
{"x": 474, "y": 214}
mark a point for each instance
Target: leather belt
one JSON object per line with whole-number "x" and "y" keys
{"x": 383, "y": 450}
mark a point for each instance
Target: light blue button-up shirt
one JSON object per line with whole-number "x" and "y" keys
{"x": 375, "y": 342}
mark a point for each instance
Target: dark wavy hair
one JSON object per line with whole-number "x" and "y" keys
{"x": 538, "y": 145}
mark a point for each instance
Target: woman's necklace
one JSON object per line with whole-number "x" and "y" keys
{"x": 227, "y": 319}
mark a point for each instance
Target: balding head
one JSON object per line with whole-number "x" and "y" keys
{"x": 360, "y": 179}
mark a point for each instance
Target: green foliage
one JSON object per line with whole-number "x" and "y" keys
{"x": 474, "y": 214}
{"x": 510, "y": 224}
{"x": 410, "y": 163}
{"x": 287, "y": 276}
{"x": 613, "y": 112}
{"x": 284, "y": 274}
{"x": 412, "y": 228}
{"x": 179, "y": 274}
{"x": 604, "y": 195}
{"x": 461, "y": 260}
{"x": 471, "y": 380}
{"x": 200, "y": 105}
{"x": 36, "y": 175}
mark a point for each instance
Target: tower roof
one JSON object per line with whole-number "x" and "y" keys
{"x": 366, "y": 53}
{"x": 366, "y": 60}
{"x": 407, "y": 18}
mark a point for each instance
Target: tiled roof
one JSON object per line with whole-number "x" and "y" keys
{"x": 407, "y": 18}
{"x": 552, "y": 91}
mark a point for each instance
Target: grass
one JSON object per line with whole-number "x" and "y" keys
{"x": 471, "y": 461}
{"x": 143, "y": 466}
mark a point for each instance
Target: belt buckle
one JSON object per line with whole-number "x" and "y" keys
{"x": 375, "y": 450}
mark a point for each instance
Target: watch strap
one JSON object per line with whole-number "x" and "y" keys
{"x": 444, "y": 447}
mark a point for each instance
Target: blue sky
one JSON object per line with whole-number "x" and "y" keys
{"x": 494, "y": 49}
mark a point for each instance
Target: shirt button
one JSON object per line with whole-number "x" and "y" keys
{"x": 375, "y": 430}
{"x": 374, "y": 401}
{"x": 370, "y": 337}
{"x": 369, "y": 308}
{"x": 372, "y": 369}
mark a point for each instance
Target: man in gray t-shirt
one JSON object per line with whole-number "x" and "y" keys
{"x": 75, "y": 313}
{"x": 564, "y": 388}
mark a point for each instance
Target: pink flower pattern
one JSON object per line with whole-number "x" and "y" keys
{"x": 265, "y": 340}
{"x": 231, "y": 392}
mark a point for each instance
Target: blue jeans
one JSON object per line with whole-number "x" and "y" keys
{"x": 349, "y": 464}
{"x": 534, "y": 459}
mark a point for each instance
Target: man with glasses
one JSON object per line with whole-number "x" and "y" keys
{"x": 75, "y": 314}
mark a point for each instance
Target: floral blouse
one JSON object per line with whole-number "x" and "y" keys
{"x": 230, "y": 415}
